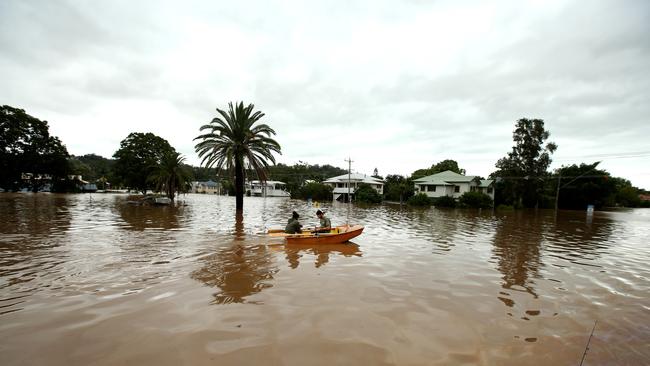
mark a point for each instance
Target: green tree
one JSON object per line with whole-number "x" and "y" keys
{"x": 398, "y": 188}
{"x": 316, "y": 191}
{"x": 524, "y": 169}
{"x": 170, "y": 176}
{"x": 100, "y": 168}
{"x": 233, "y": 142}
{"x": 365, "y": 193}
{"x": 420, "y": 199}
{"x": 442, "y": 166}
{"x": 475, "y": 200}
{"x": 138, "y": 157}
{"x": 26, "y": 146}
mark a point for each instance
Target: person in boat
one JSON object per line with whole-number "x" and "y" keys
{"x": 293, "y": 225}
{"x": 325, "y": 223}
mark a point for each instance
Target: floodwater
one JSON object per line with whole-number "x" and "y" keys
{"x": 89, "y": 279}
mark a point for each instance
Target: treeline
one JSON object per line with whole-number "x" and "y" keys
{"x": 144, "y": 161}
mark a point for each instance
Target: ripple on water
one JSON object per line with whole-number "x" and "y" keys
{"x": 419, "y": 286}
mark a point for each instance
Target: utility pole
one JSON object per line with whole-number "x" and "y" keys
{"x": 349, "y": 160}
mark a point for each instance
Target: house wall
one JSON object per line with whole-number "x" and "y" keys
{"x": 342, "y": 187}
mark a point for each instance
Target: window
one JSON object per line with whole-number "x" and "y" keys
{"x": 432, "y": 188}
{"x": 456, "y": 189}
{"x": 474, "y": 189}
{"x": 489, "y": 190}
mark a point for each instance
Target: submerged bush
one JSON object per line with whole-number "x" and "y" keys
{"x": 365, "y": 193}
{"x": 475, "y": 200}
{"x": 420, "y": 199}
{"x": 315, "y": 191}
{"x": 444, "y": 201}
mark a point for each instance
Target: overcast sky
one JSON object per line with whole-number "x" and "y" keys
{"x": 396, "y": 85}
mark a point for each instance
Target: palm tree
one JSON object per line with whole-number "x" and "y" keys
{"x": 169, "y": 175}
{"x": 233, "y": 142}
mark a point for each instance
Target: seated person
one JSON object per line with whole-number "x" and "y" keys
{"x": 293, "y": 225}
{"x": 325, "y": 223}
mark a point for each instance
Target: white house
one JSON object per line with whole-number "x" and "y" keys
{"x": 341, "y": 183}
{"x": 452, "y": 184}
{"x": 269, "y": 188}
{"x": 210, "y": 187}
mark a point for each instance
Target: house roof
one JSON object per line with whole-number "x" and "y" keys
{"x": 354, "y": 177}
{"x": 446, "y": 176}
{"x": 486, "y": 182}
{"x": 268, "y": 182}
{"x": 210, "y": 183}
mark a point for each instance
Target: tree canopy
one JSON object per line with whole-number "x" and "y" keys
{"x": 523, "y": 170}
{"x": 234, "y": 142}
{"x": 26, "y": 146}
{"x": 137, "y": 158}
{"x": 442, "y": 166}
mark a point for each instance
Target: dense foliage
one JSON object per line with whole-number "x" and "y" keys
{"x": 26, "y": 146}
{"x": 315, "y": 191}
{"x": 475, "y": 200}
{"x": 233, "y": 142}
{"x": 521, "y": 174}
{"x": 438, "y": 168}
{"x": 365, "y": 193}
{"x": 296, "y": 175}
{"x": 444, "y": 201}
{"x": 398, "y": 188}
{"x": 137, "y": 158}
{"x": 170, "y": 176}
{"x": 420, "y": 199}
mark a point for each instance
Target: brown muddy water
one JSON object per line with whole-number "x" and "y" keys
{"x": 89, "y": 279}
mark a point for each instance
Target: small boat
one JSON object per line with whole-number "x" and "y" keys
{"x": 338, "y": 234}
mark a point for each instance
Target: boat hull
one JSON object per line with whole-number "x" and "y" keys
{"x": 340, "y": 234}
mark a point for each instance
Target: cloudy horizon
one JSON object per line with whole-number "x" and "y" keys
{"x": 397, "y": 88}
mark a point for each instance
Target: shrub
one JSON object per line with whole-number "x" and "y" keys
{"x": 365, "y": 193}
{"x": 419, "y": 199}
{"x": 315, "y": 191}
{"x": 444, "y": 201}
{"x": 475, "y": 200}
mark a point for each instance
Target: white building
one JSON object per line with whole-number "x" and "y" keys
{"x": 452, "y": 184}
{"x": 209, "y": 187}
{"x": 269, "y": 188}
{"x": 341, "y": 183}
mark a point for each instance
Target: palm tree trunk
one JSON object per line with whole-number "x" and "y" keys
{"x": 239, "y": 184}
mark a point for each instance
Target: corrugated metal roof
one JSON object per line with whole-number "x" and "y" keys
{"x": 354, "y": 177}
{"x": 446, "y": 176}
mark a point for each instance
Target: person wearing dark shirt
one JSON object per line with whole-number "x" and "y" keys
{"x": 293, "y": 225}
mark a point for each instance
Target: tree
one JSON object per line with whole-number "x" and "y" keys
{"x": 442, "y": 166}
{"x": 524, "y": 169}
{"x": 475, "y": 200}
{"x": 316, "y": 191}
{"x": 100, "y": 168}
{"x": 138, "y": 157}
{"x": 26, "y": 146}
{"x": 170, "y": 176}
{"x": 365, "y": 193}
{"x": 296, "y": 175}
{"x": 233, "y": 142}
{"x": 398, "y": 188}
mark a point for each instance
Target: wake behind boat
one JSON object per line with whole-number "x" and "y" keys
{"x": 338, "y": 234}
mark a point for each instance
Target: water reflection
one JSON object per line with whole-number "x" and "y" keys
{"x": 516, "y": 246}
{"x": 143, "y": 217}
{"x": 238, "y": 270}
{"x": 321, "y": 252}
{"x": 33, "y": 228}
